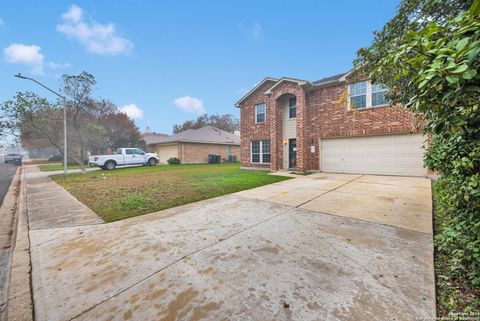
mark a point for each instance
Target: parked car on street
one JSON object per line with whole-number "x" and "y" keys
{"x": 13, "y": 158}
{"x": 122, "y": 157}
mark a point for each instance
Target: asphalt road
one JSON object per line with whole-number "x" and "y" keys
{"x": 6, "y": 174}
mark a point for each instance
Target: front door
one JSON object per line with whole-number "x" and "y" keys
{"x": 292, "y": 153}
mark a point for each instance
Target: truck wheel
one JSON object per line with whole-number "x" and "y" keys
{"x": 110, "y": 165}
{"x": 152, "y": 162}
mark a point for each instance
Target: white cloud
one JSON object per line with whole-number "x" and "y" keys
{"x": 74, "y": 14}
{"x": 132, "y": 111}
{"x": 189, "y": 104}
{"x": 253, "y": 31}
{"x": 31, "y": 56}
{"x": 21, "y": 54}
{"x": 98, "y": 38}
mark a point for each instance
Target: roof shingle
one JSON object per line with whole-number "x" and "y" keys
{"x": 207, "y": 134}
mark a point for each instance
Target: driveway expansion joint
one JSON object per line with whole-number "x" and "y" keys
{"x": 333, "y": 189}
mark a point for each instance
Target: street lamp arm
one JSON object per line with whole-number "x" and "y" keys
{"x": 51, "y": 90}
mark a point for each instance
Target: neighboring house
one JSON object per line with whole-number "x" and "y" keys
{"x": 296, "y": 124}
{"x": 194, "y": 145}
{"x": 147, "y": 138}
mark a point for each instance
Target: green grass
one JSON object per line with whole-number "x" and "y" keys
{"x": 454, "y": 292}
{"x": 55, "y": 167}
{"x": 128, "y": 192}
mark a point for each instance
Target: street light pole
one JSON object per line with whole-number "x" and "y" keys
{"x": 64, "y": 118}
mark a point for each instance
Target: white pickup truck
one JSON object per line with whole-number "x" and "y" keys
{"x": 123, "y": 157}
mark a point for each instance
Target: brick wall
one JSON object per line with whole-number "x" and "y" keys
{"x": 249, "y": 130}
{"x": 326, "y": 117}
{"x": 198, "y": 153}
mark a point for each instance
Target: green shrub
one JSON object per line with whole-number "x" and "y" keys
{"x": 457, "y": 203}
{"x": 428, "y": 56}
{"x": 174, "y": 161}
{"x": 437, "y": 67}
{"x": 131, "y": 202}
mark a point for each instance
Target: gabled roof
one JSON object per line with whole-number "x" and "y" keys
{"x": 207, "y": 134}
{"x": 148, "y": 138}
{"x": 237, "y": 104}
{"x": 322, "y": 82}
{"x": 286, "y": 79}
{"x": 329, "y": 80}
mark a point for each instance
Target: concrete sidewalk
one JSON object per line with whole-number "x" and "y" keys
{"x": 50, "y": 206}
{"x": 33, "y": 171}
{"x": 247, "y": 256}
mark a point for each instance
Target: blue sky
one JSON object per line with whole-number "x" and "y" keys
{"x": 167, "y": 61}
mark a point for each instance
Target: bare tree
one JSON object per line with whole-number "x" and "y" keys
{"x": 226, "y": 122}
{"x": 92, "y": 125}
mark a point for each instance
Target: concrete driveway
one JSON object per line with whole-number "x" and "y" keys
{"x": 321, "y": 247}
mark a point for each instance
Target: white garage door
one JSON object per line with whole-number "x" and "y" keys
{"x": 166, "y": 151}
{"x": 385, "y": 155}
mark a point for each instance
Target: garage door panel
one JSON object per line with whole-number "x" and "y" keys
{"x": 166, "y": 152}
{"x": 387, "y": 155}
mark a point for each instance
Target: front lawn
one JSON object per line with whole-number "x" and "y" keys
{"x": 128, "y": 192}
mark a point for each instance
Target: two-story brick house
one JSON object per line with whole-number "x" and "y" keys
{"x": 329, "y": 125}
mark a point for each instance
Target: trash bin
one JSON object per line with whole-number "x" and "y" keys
{"x": 214, "y": 159}
{"x": 232, "y": 158}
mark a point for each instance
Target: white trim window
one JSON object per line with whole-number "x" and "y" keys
{"x": 260, "y": 151}
{"x": 292, "y": 107}
{"x": 358, "y": 94}
{"x": 378, "y": 95}
{"x": 364, "y": 94}
{"x": 260, "y": 114}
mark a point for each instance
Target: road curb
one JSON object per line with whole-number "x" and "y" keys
{"x": 19, "y": 303}
{"x": 7, "y": 216}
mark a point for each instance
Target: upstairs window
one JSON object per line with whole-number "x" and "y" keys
{"x": 364, "y": 94}
{"x": 378, "y": 95}
{"x": 358, "y": 94}
{"x": 292, "y": 107}
{"x": 260, "y": 113}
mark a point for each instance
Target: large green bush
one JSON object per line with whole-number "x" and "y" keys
{"x": 441, "y": 63}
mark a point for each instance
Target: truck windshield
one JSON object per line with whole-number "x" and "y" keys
{"x": 119, "y": 151}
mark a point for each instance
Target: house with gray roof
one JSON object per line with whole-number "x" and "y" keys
{"x": 342, "y": 124}
{"x": 194, "y": 145}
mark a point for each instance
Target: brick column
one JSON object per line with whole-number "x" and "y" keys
{"x": 275, "y": 122}
{"x": 302, "y": 143}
